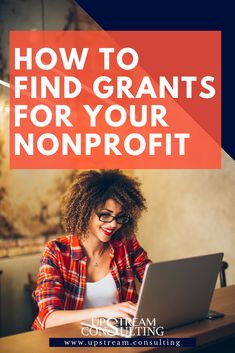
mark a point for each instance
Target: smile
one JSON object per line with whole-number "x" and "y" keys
{"x": 107, "y": 231}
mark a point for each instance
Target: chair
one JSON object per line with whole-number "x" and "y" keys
{"x": 29, "y": 288}
{"x": 222, "y": 274}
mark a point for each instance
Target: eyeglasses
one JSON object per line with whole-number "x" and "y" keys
{"x": 108, "y": 218}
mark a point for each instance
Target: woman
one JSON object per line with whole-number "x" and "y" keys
{"x": 91, "y": 272}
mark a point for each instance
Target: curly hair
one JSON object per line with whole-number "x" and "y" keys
{"x": 91, "y": 189}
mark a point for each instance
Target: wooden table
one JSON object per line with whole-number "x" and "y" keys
{"x": 212, "y": 336}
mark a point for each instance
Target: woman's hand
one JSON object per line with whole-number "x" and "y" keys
{"x": 60, "y": 317}
{"x": 124, "y": 310}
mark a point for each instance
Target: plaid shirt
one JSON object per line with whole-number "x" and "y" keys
{"x": 62, "y": 275}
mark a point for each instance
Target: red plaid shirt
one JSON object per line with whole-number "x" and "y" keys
{"x": 62, "y": 275}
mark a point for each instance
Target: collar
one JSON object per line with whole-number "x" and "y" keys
{"x": 77, "y": 251}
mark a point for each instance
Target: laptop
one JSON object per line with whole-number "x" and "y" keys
{"x": 173, "y": 293}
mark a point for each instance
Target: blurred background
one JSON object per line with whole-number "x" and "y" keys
{"x": 190, "y": 212}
